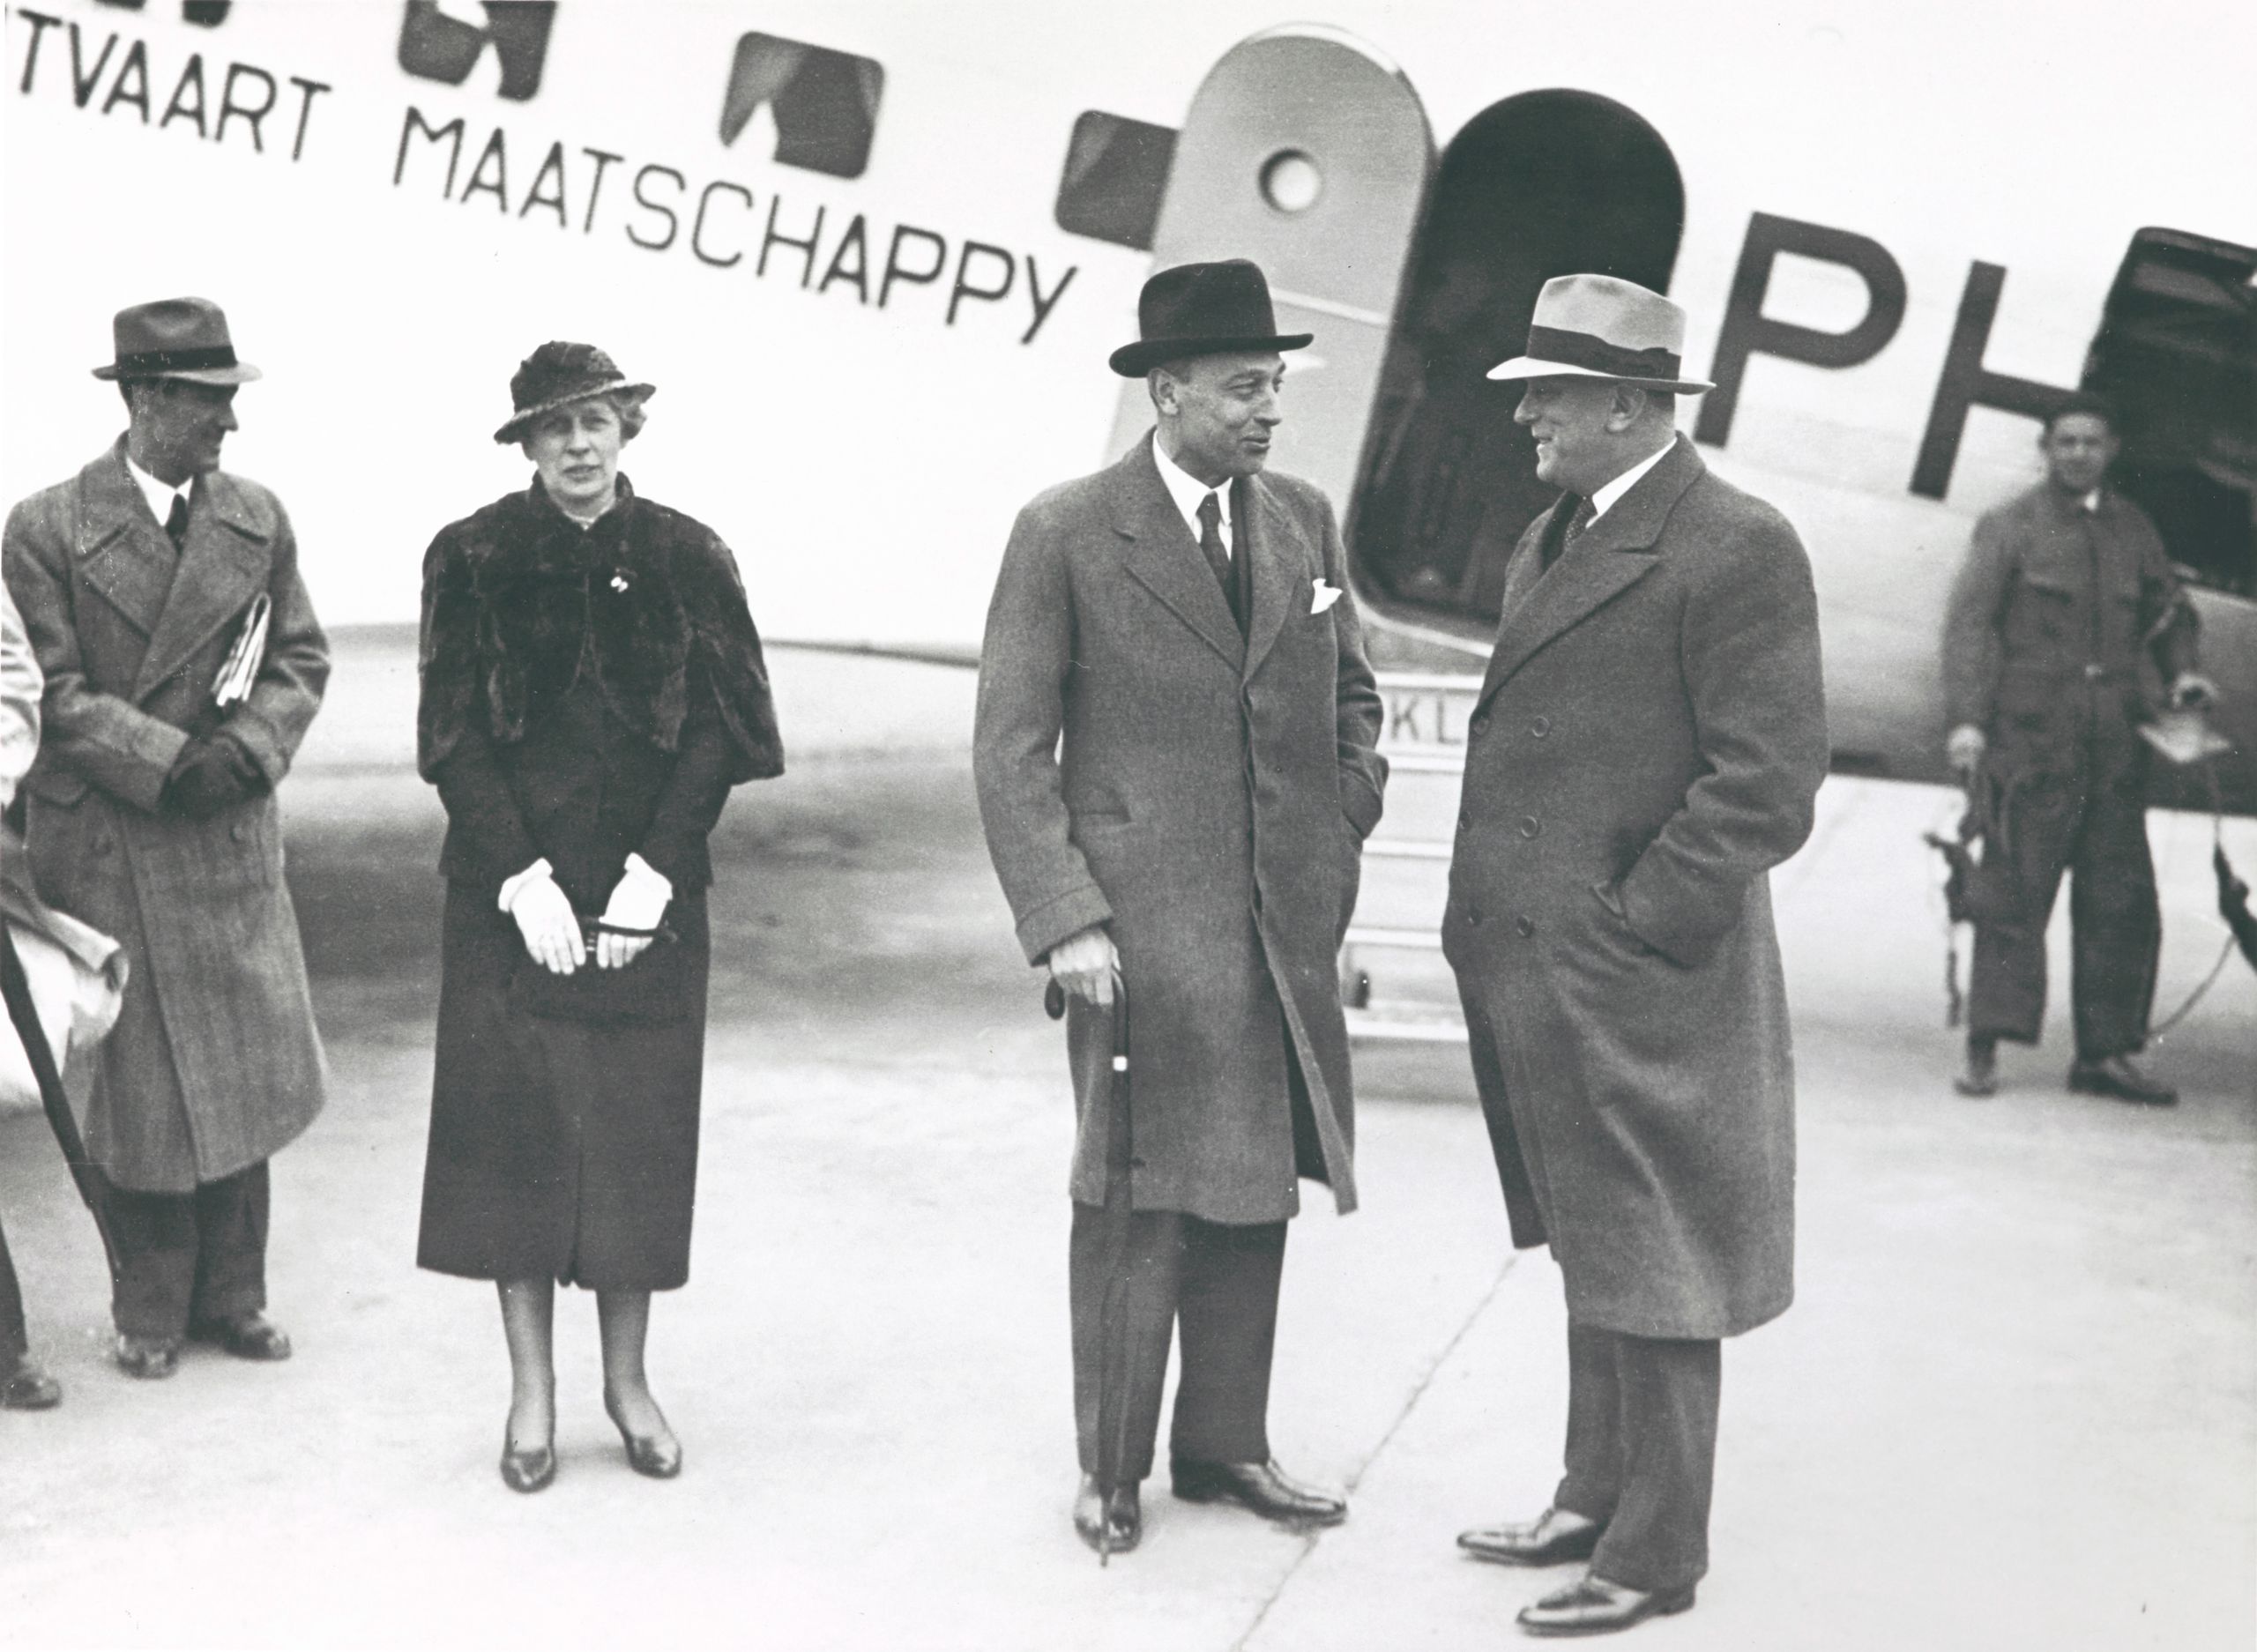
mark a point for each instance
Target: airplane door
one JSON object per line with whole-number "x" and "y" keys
{"x": 1307, "y": 152}
{"x": 1539, "y": 185}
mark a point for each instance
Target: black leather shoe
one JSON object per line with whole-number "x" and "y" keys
{"x": 1978, "y": 1073}
{"x": 148, "y": 1357}
{"x": 1261, "y": 1487}
{"x": 28, "y": 1389}
{"x": 246, "y": 1336}
{"x": 657, "y": 1456}
{"x": 2114, "y": 1075}
{"x": 531, "y": 1469}
{"x": 1553, "y": 1536}
{"x": 1124, "y": 1516}
{"x": 1592, "y": 1606}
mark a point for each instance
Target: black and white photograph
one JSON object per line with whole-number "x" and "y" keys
{"x": 741, "y": 740}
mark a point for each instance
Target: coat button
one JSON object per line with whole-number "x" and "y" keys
{"x": 1529, "y": 827}
{"x": 1540, "y": 728}
{"x": 1473, "y": 918}
{"x": 238, "y": 830}
{"x": 1480, "y": 722}
{"x": 1523, "y": 928}
{"x": 1465, "y": 822}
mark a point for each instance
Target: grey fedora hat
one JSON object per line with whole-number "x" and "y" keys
{"x": 174, "y": 338}
{"x": 1599, "y": 327}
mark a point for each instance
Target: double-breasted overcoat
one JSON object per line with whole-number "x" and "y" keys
{"x": 214, "y": 1064}
{"x": 1648, "y": 743}
{"x": 1205, "y": 796}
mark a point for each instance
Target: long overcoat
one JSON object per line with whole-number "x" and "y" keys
{"x": 587, "y": 694}
{"x": 1647, "y": 744}
{"x": 1209, "y": 803}
{"x": 214, "y": 1064}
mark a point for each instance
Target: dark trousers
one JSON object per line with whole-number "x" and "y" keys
{"x": 14, "y": 1343}
{"x": 1642, "y": 1452}
{"x": 2094, "y": 827}
{"x": 188, "y": 1258}
{"x": 1215, "y": 1287}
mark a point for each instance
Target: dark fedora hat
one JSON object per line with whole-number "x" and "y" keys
{"x": 176, "y": 338}
{"x": 1203, "y": 309}
{"x": 556, "y": 375}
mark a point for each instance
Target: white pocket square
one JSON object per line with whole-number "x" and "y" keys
{"x": 1322, "y": 597}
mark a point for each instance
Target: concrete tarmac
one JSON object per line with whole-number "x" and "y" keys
{"x": 2015, "y": 1406}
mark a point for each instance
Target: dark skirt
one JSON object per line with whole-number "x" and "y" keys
{"x": 559, "y": 1148}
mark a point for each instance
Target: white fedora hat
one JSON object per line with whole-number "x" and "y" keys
{"x": 1597, "y": 326}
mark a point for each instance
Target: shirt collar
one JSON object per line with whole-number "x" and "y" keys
{"x": 1606, "y": 498}
{"x": 1188, "y": 490}
{"x": 160, "y": 494}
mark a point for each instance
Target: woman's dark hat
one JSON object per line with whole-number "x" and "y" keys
{"x": 1203, "y": 309}
{"x": 176, "y": 338}
{"x": 556, "y": 375}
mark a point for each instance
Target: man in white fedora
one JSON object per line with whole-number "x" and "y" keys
{"x": 1647, "y": 745}
{"x": 183, "y": 664}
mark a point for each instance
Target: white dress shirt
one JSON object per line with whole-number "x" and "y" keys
{"x": 1188, "y": 491}
{"x": 160, "y": 494}
{"x": 1606, "y": 498}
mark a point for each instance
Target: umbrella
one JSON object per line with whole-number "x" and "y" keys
{"x": 16, "y": 986}
{"x": 1117, "y": 1356}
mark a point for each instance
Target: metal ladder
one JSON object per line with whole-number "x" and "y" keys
{"x": 1393, "y": 978}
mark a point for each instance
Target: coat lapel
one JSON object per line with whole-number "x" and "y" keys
{"x": 224, "y": 562}
{"x": 1275, "y": 541}
{"x": 1163, "y": 557}
{"x": 123, "y": 552}
{"x": 1614, "y": 553}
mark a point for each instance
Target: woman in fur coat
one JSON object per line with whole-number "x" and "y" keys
{"x": 592, "y": 686}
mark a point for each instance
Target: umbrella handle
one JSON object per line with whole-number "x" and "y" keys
{"x": 1054, "y": 1005}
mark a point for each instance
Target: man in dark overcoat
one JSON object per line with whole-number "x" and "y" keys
{"x": 2067, "y": 630}
{"x": 1181, "y": 619}
{"x": 1647, "y": 744}
{"x": 183, "y": 664}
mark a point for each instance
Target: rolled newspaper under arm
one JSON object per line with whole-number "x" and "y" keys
{"x": 240, "y": 670}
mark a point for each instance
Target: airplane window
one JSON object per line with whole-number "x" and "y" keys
{"x": 1543, "y": 184}
{"x": 825, "y": 102}
{"x": 2177, "y": 352}
{"x": 1115, "y": 174}
{"x": 1291, "y": 181}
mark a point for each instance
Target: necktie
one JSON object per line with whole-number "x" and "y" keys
{"x": 1211, "y": 545}
{"x": 1582, "y": 518}
{"x": 176, "y": 520}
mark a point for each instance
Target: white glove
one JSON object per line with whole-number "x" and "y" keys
{"x": 546, "y": 920}
{"x": 1963, "y": 749}
{"x": 2192, "y": 688}
{"x": 637, "y": 902}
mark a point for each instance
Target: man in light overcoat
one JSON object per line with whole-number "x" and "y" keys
{"x": 183, "y": 664}
{"x": 1181, "y": 619}
{"x": 1647, "y": 744}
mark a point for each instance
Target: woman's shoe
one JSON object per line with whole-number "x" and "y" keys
{"x": 529, "y": 1470}
{"x": 660, "y": 1459}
